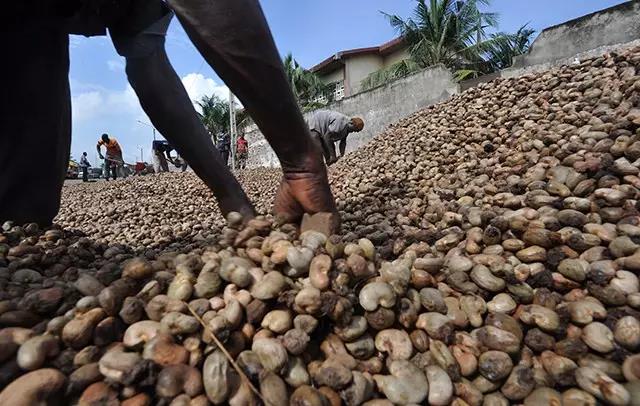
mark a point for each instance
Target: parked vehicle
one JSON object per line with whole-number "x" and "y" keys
{"x": 73, "y": 169}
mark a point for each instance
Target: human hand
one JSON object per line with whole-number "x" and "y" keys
{"x": 305, "y": 190}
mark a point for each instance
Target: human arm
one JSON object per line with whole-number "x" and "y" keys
{"x": 343, "y": 146}
{"x": 99, "y": 151}
{"x": 243, "y": 53}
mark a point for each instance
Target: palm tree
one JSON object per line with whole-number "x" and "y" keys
{"x": 501, "y": 55}
{"x": 448, "y": 32}
{"x": 215, "y": 114}
{"x": 306, "y": 85}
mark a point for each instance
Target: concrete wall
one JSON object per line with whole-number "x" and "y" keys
{"x": 615, "y": 25}
{"x": 334, "y": 76}
{"x": 397, "y": 56}
{"x": 357, "y": 68}
{"x": 614, "y": 28}
{"x": 378, "y": 107}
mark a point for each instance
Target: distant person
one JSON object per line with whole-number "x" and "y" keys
{"x": 85, "y": 165}
{"x": 224, "y": 146}
{"x": 242, "y": 151}
{"x": 331, "y": 127}
{"x": 113, "y": 159}
{"x": 161, "y": 154}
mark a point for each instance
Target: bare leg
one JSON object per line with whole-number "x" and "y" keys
{"x": 34, "y": 137}
{"x": 234, "y": 38}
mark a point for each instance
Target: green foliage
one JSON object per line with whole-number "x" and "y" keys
{"x": 306, "y": 85}
{"x": 215, "y": 114}
{"x": 389, "y": 74}
{"x": 501, "y": 55}
{"x": 453, "y": 33}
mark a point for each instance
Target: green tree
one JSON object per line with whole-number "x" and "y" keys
{"x": 215, "y": 114}
{"x": 306, "y": 85}
{"x": 453, "y": 33}
{"x": 508, "y": 46}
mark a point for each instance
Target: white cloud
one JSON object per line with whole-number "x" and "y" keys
{"x": 198, "y": 85}
{"x": 115, "y": 65}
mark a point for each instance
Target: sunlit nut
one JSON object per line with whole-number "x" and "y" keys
{"x": 598, "y": 337}
{"x": 308, "y": 300}
{"x": 611, "y": 368}
{"x": 626, "y": 282}
{"x": 163, "y": 351}
{"x": 307, "y": 396}
{"x": 406, "y": 384}
{"x": 269, "y": 287}
{"x": 432, "y": 300}
{"x": 495, "y": 399}
{"x": 272, "y": 354}
{"x": 501, "y": 303}
{"x": 35, "y": 351}
{"x": 78, "y": 332}
{"x": 273, "y": 389}
{"x": 543, "y": 396}
{"x": 601, "y": 386}
{"x": 443, "y": 357}
{"x": 483, "y": 277}
{"x": 360, "y": 389}
{"x": 631, "y": 368}
{"x": 519, "y": 383}
{"x": 577, "y": 397}
{"x": 420, "y": 340}
{"x": 176, "y": 379}
{"x": 295, "y": 341}
{"x": 332, "y": 373}
{"x": 236, "y": 270}
{"x": 376, "y": 294}
{"x": 319, "y": 271}
{"x": 574, "y": 269}
{"x": 440, "y": 386}
{"x": 495, "y": 365}
{"x": 178, "y": 323}
{"x": 278, "y": 321}
{"x": 296, "y": 374}
{"x": 305, "y": 323}
{"x": 215, "y": 374}
{"x": 160, "y": 305}
{"x": 438, "y": 326}
{"x": 585, "y": 311}
{"x": 467, "y": 393}
{"x": 119, "y": 366}
{"x": 561, "y": 369}
{"x": 140, "y": 332}
{"x": 498, "y": 339}
{"x": 394, "y": 342}
{"x": 627, "y": 332}
{"x": 545, "y": 319}
{"x": 474, "y": 307}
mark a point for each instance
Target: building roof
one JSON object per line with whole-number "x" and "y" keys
{"x": 336, "y": 60}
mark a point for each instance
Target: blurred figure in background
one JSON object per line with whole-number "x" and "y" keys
{"x": 224, "y": 147}
{"x": 84, "y": 166}
{"x": 330, "y": 127}
{"x": 113, "y": 158}
{"x": 242, "y": 151}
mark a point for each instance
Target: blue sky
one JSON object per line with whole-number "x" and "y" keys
{"x": 311, "y": 29}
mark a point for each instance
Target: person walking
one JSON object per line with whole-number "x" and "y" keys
{"x": 85, "y": 165}
{"x": 224, "y": 146}
{"x": 113, "y": 159}
{"x": 242, "y": 151}
{"x": 330, "y": 127}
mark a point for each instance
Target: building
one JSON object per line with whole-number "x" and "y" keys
{"x": 346, "y": 69}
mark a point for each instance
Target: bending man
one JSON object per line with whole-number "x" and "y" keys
{"x": 233, "y": 37}
{"x": 330, "y": 127}
{"x": 113, "y": 159}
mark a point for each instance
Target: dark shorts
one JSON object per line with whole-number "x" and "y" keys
{"x": 137, "y": 27}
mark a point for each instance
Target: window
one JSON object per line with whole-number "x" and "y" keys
{"x": 338, "y": 93}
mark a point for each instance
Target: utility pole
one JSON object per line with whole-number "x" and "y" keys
{"x": 232, "y": 129}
